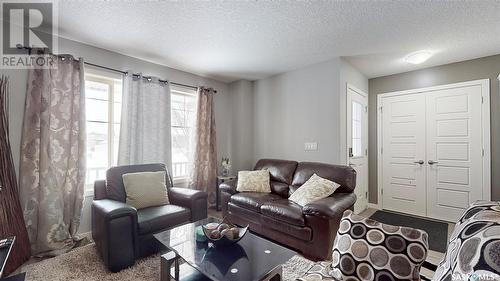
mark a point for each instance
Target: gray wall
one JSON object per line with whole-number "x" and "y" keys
{"x": 297, "y": 107}
{"x": 241, "y": 145}
{"x": 482, "y": 68}
{"x": 114, "y": 60}
{"x": 304, "y": 105}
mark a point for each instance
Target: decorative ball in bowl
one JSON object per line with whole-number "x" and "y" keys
{"x": 224, "y": 233}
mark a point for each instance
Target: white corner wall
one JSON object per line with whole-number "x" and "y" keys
{"x": 348, "y": 75}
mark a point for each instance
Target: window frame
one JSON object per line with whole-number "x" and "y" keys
{"x": 109, "y": 80}
{"x": 179, "y": 90}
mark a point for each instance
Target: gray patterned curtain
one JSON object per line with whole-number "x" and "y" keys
{"x": 52, "y": 170}
{"x": 145, "y": 133}
{"x": 205, "y": 154}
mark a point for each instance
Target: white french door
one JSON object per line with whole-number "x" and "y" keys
{"x": 357, "y": 140}
{"x": 435, "y": 149}
{"x": 404, "y": 154}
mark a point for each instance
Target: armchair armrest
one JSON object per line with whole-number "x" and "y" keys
{"x": 194, "y": 200}
{"x": 113, "y": 209}
{"x": 330, "y": 207}
{"x": 229, "y": 186}
{"x": 99, "y": 189}
{"x": 114, "y": 230}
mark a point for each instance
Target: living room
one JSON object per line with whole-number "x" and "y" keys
{"x": 293, "y": 122}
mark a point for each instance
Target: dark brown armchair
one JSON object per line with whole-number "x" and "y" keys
{"x": 123, "y": 233}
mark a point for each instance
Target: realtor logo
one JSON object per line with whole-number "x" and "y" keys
{"x": 27, "y": 25}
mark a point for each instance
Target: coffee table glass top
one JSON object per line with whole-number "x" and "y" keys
{"x": 252, "y": 258}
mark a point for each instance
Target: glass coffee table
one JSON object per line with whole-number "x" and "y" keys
{"x": 252, "y": 258}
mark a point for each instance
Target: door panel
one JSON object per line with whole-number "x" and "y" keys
{"x": 454, "y": 143}
{"x": 403, "y": 144}
{"x": 357, "y": 139}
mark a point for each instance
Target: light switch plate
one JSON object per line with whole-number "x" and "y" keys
{"x": 310, "y": 146}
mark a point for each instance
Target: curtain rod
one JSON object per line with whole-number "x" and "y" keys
{"x": 137, "y": 75}
{"x": 121, "y": 71}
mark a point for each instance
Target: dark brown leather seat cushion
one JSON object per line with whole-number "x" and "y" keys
{"x": 253, "y": 200}
{"x": 156, "y": 218}
{"x": 284, "y": 210}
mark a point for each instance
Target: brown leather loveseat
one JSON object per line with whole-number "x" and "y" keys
{"x": 310, "y": 229}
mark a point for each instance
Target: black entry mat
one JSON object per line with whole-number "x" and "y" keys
{"x": 437, "y": 231}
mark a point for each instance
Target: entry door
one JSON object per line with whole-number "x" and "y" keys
{"x": 454, "y": 151}
{"x": 357, "y": 139}
{"x": 435, "y": 149}
{"x": 403, "y": 154}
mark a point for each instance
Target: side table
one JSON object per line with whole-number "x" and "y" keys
{"x": 221, "y": 179}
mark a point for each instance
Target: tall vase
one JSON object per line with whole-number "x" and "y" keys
{"x": 11, "y": 214}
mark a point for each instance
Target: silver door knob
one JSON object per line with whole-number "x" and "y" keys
{"x": 432, "y": 162}
{"x": 419, "y": 162}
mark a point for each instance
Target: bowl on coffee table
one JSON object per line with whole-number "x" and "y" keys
{"x": 223, "y": 233}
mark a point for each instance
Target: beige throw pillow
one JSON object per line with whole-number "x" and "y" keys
{"x": 254, "y": 181}
{"x": 313, "y": 189}
{"x": 145, "y": 189}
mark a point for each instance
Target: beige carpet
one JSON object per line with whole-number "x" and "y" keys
{"x": 83, "y": 263}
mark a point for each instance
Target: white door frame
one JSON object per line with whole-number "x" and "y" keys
{"x": 348, "y": 141}
{"x": 485, "y": 129}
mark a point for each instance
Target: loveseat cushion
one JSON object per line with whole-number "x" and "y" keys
{"x": 280, "y": 170}
{"x": 253, "y": 200}
{"x": 345, "y": 176}
{"x": 154, "y": 219}
{"x": 284, "y": 210}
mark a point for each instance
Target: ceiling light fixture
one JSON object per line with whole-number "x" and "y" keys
{"x": 418, "y": 57}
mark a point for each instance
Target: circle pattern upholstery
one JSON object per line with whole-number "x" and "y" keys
{"x": 474, "y": 249}
{"x": 365, "y": 249}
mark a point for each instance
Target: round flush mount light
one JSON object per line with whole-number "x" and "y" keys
{"x": 418, "y": 57}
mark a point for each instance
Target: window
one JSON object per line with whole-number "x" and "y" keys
{"x": 183, "y": 103}
{"x": 103, "y": 95}
{"x": 357, "y": 119}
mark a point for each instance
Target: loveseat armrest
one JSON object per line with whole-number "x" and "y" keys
{"x": 229, "y": 186}
{"x": 114, "y": 230}
{"x": 194, "y": 200}
{"x": 227, "y": 189}
{"x": 330, "y": 207}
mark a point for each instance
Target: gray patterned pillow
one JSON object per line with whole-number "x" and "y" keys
{"x": 474, "y": 249}
{"x": 365, "y": 249}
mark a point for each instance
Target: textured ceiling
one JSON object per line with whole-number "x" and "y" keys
{"x": 254, "y": 39}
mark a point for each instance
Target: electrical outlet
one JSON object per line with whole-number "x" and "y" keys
{"x": 310, "y": 146}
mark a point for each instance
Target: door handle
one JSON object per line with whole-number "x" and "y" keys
{"x": 419, "y": 162}
{"x": 432, "y": 162}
